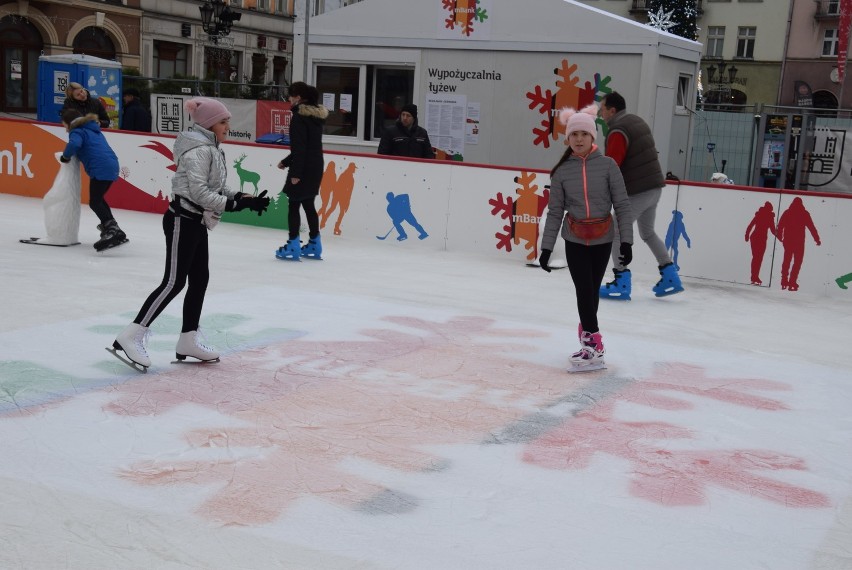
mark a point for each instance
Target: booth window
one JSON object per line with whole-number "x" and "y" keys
{"x": 169, "y": 59}
{"x": 683, "y": 89}
{"x": 387, "y": 88}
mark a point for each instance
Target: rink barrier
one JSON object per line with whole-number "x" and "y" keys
{"x": 450, "y": 206}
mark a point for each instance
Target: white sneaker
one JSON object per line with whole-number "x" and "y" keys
{"x": 133, "y": 340}
{"x": 192, "y": 344}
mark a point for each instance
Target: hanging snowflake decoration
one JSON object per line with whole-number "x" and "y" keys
{"x": 662, "y": 20}
{"x": 678, "y": 17}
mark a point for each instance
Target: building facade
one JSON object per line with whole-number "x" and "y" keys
{"x": 743, "y": 46}
{"x": 160, "y": 38}
{"x": 810, "y": 75}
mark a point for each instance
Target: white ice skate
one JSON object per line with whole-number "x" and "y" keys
{"x": 591, "y": 354}
{"x": 193, "y": 344}
{"x": 133, "y": 342}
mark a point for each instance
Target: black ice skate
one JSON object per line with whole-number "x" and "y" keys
{"x": 111, "y": 236}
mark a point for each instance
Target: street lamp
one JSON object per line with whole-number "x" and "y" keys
{"x": 217, "y": 18}
{"x": 722, "y": 83}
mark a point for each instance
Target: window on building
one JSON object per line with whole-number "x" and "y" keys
{"x": 745, "y": 42}
{"x": 715, "y": 40}
{"x": 386, "y": 87}
{"x": 94, "y": 41}
{"x": 832, "y": 7}
{"x": 263, "y": 5}
{"x": 830, "y": 42}
{"x": 319, "y": 7}
{"x": 169, "y": 59}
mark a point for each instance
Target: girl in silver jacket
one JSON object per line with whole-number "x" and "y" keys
{"x": 585, "y": 186}
{"x": 200, "y": 195}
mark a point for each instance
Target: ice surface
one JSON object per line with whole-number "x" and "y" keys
{"x": 391, "y": 407}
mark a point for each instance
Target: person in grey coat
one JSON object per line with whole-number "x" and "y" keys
{"x": 200, "y": 195}
{"x": 585, "y": 186}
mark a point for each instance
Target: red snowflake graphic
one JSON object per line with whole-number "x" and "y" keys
{"x": 667, "y": 476}
{"x": 522, "y": 213}
{"x": 463, "y": 14}
{"x": 567, "y": 94}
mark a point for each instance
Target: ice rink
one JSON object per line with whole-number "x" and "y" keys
{"x": 394, "y": 407}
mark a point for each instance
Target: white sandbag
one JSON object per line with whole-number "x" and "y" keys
{"x": 62, "y": 204}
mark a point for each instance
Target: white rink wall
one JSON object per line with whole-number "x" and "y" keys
{"x": 466, "y": 207}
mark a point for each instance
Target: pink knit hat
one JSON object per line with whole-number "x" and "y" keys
{"x": 206, "y": 112}
{"x": 582, "y": 120}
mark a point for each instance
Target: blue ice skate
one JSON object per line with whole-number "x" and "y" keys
{"x": 669, "y": 282}
{"x": 619, "y": 288}
{"x": 313, "y": 249}
{"x": 291, "y": 251}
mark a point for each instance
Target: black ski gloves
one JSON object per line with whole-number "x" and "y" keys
{"x": 626, "y": 251}
{"x": 242, "y": 201}
{"x": 544, "y": 258}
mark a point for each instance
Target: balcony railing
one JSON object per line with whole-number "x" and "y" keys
{"x": 641, "y": 7}
{"x": 827, "y": 9}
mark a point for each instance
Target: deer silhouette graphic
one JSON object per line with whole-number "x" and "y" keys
{"x": 246, "y": 175}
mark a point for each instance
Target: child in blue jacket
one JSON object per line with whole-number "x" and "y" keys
{"x": 87, "y": 142}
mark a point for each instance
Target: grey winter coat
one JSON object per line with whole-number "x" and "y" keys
{"x": 201, "y": 172}
{"x": 587, "y": 188}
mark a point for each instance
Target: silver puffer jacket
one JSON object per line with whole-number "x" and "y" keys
{"x": 201, "y": 172}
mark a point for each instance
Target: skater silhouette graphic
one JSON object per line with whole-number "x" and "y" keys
{"x": 791, "y": 233}
{"x": 399, "y": 210}
{"x": 336, "y": 193}
{"x": 843, "y": 280}
{"x": 673, "y": 235}
{"x": 757, "y": 232}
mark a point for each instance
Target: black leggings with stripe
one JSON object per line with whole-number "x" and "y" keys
{"x": 187, "y": 255}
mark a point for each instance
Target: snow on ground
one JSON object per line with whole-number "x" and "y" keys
{"x": 394, "y": 407}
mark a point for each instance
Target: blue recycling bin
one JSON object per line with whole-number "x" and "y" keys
{"x": 102, "y": 77}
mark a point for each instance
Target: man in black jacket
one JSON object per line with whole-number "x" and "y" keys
{"x": 134, "y": 117}
{"x": 406, "y": 137}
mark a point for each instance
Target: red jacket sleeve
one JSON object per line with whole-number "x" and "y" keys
{"x": 616, "y": 147}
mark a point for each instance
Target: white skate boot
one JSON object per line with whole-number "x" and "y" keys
{"x": 133, "y": 340}
{"x": 193, "y": 344}
{"x": 591, "y": 354}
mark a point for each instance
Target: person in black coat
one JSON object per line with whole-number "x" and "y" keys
{"x": 305, "y": 163}
{"x": 406, "y": 137}
{"x": 78, "y": 98}
{"x": 134, "y": 117}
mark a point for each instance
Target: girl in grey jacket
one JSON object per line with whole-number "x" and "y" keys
{"x": 585, "y": 186}
{"x": 200, "y": 195}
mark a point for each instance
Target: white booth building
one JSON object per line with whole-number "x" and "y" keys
{"x": 489, "y": 75}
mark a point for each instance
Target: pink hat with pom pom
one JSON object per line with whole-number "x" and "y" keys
{"x": 206, "y": 112}
{"x": 582, "y": 120}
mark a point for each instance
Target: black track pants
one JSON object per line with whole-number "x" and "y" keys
{"x": 587, "y": 264}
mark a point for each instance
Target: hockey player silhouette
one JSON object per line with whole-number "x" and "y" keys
{"x": 791, "y": 233}
{"x": 399, "y": 210}
{"x": 673, "y": 235}
{"x": 762, "y": 224}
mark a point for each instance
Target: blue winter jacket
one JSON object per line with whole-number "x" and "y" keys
{"x": 86, "y": 140}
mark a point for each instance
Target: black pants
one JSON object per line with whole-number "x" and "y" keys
{"x": 587, "y": 264}
{"x": 97, "y": 191}
{"x": 294, "y": 220}
{"x": 187, "y": 255}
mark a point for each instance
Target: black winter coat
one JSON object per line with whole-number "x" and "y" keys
{"x": 413, "y": 142}
{"x": 305, "y": 160}
{"x": 85, "y": 107}
{"x": 135, "y": 117}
